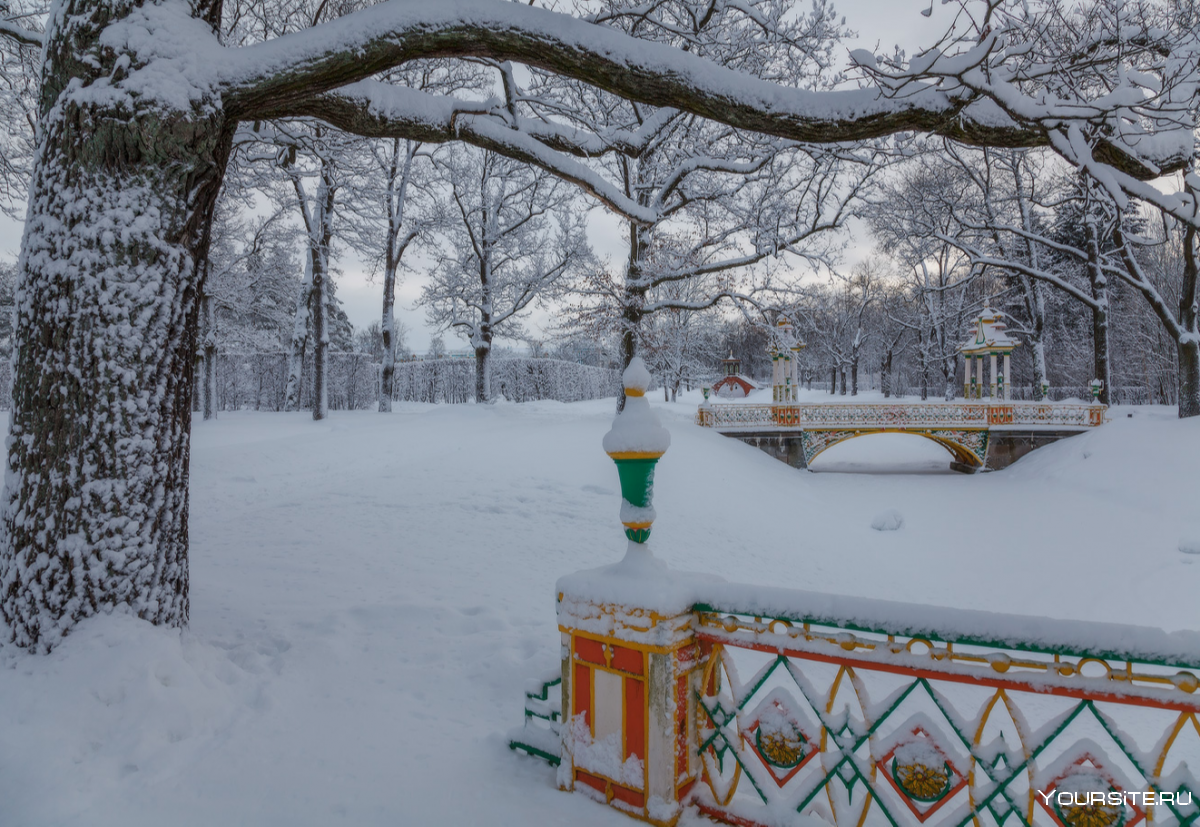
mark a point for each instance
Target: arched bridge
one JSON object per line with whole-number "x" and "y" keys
{"x": 977, "y": 434}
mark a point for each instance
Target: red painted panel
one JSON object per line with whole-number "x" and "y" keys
{"x": 591, "y": 651}
{"x": 581, "y": 689}
{"x": 635, "y": 718}
{"x": 637, "y": 799}
{"x": 627, "y": 660}
{"x": 591, "y": 780}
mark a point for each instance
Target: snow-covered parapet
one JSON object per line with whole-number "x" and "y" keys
{"x": 635, "y": 442}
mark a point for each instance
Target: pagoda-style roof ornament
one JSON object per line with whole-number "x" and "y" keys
{"x": 733, "y": 365}
{"x": 989, "y": 335}
{"x": 784, "y": 338}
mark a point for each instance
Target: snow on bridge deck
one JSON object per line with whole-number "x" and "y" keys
{"x": 965, "y": 429}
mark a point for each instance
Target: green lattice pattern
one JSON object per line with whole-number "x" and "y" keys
{"x": 846, "y": 765}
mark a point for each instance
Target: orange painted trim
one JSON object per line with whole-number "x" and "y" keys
{"x": 581, "y": 691}
{"x": 728, "y": 818}
{"x": 933, "y": 674}
{"x": 635, "y": 718}
{"x": 636, "y": 454}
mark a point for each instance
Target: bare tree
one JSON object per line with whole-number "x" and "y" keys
{"x": 510, "y": 240}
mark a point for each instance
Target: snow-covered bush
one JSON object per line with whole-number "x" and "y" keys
{"x": 258, "y": 381}
{"x": 516, "y": 379}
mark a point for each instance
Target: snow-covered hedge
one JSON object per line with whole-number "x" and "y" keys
{"x": 257, "y": 381}
{"x": 516, "y": 379}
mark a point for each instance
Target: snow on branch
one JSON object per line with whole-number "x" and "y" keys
{"x": 380, "y": 110}
{"x": 22, "y": 35}
{"x": 261, "y": 79}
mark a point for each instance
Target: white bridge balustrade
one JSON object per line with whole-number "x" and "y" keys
{"x": 976, "y": 434}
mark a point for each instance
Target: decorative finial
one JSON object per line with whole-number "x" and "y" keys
{"x": 635, "y": 443}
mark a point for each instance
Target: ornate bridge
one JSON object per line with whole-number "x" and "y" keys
{"x": 977, "y": 434}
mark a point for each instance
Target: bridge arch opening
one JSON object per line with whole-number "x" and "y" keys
{"x": 889, "y": 452}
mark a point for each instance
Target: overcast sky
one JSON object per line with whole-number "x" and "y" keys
{"x": 880, "y": 23}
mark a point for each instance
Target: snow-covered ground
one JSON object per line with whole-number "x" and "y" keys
{"x": 371, "y": 593}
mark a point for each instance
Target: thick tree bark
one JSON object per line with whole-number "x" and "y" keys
{"x": 854, "y": 376}
{"x": 96, "y": 496}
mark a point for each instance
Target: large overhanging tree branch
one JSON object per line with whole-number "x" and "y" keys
{"x": 137, "y": 110}
{"x": 277, "y": 78}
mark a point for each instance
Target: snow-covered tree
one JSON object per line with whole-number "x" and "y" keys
{"x": 911, "y": 223}
{"x": 725, "y": 200}
{"x": 512, "y": 237}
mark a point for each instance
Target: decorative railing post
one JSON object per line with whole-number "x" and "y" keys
{"x": 630, "y": 661}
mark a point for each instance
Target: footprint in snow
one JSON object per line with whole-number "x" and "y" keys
{"x": 889, "y": 520}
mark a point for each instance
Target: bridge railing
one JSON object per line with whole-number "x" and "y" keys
{"x": 733, "y": 416}
{"x": 879, "y": 715}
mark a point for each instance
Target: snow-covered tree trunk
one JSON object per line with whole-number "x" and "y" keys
{"x": 483, "y": 371}
{"x": 321, "y": 235}
{"x": 949, "y": 377}
{"x": 387, "y": 368}
{"x": 96, "y": 495}
{"x": 399, "y": 175}
{"x": 320, "y": 324}
{"x": 633, "y": 299}
{"x": 295, "y": 380}
{"x": 1101, "y": 360}
{"x": 210, "y": 356}
{"x": 1188, "y": 346}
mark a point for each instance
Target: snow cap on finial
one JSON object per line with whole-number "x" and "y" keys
{"x": 636, "y": 431}
{"x": 636, "y": 378}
